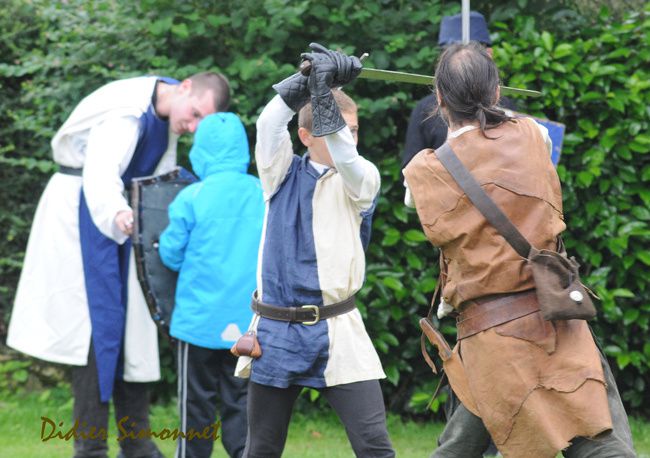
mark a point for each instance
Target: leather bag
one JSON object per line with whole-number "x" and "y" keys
{"x": 247, "y": 345}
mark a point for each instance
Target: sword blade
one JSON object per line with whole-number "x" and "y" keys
{"x": 414, "y": 78}
{"x": 397, "y": 77}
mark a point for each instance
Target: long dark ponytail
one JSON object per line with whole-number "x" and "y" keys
{"x": 467, "y": 80}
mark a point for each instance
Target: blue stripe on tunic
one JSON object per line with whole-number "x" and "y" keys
{"x": 292, "y": 354}
{"x": 365, "y": 231}
{"x": 106, "y": 263}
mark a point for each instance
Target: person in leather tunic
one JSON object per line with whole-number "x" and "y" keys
{"x": 538, "y": 387}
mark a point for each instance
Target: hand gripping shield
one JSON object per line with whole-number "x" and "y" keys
{"x": 150, "y": 199}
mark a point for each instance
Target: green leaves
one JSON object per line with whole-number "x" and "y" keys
{"x": 391, "y": 237}
{"x": 563, "y": 50}
{"x": 161, "y": 26}
{"x": 547, "y": 41}
{"x": 644, "y": 257}
{"x": 414, "y": 236}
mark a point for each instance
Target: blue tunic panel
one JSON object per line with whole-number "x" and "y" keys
{"x": 106, "y": 263}
{"x": 292, "y": 267}
{"x": 290, "y": 278}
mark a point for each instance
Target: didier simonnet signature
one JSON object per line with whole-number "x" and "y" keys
{"x": 50, "y": 430}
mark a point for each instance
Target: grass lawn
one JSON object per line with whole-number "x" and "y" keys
{"x": 313, "y": 435}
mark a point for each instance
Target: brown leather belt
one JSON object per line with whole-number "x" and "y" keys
{"x": 307, "y": 314}
{"x": 477, "y": 315}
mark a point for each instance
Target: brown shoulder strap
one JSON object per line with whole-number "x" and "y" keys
{"x": 482, "y": 201}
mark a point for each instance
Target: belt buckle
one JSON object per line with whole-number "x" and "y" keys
{"x": 316, "y": 310}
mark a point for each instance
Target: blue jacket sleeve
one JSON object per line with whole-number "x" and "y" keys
{"x": 174, "y": 238}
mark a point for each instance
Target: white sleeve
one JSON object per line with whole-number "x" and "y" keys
{"x": 168, "y": 160}
{"x": 408, "y": 197}
{"x": 360, "y": 176}
{"x": 273, "y": 149}
{"x": 547, "y": 139}
{"x": 109, "y": 150}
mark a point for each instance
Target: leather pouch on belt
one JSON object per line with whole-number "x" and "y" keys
{"x": 247, "y": 345}
{"x": 451, "y": 362}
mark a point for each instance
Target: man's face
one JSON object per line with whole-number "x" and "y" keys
{"x": 317, "y": 146}
{"x": 188, "y": 108}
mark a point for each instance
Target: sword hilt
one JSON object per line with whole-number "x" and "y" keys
{"x": 305, "y": 65}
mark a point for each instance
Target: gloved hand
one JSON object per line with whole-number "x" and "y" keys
{"x": 348, "y": 67}
{"x": 294, "y": 91}
{"x": 328, "y": 69}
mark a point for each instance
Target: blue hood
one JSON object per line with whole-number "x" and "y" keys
{"x": 220, "y": 145}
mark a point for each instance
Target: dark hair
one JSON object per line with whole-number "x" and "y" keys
{"x": 467, "y": 80}
{"x": 343, "y": 101}
{"x": 215, "y": 82}
{"x": 485, "y": 46}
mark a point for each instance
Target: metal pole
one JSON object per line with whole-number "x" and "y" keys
{"x": 465, "y": 20}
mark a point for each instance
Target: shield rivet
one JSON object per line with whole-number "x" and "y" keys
{"x": 576, "y": 296}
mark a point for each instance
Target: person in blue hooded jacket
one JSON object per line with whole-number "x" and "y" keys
{"x": 212, "y": 240}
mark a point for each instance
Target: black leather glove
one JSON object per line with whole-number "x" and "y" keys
{"x": 326, "y": 116}
{"x": 294, "y": 91}
{"x": 328, "y": 69}
{"x": 348, "y": 67}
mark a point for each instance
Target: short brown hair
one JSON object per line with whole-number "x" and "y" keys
{"x": 344, "y": 102}
{"x": 215, "y": 82}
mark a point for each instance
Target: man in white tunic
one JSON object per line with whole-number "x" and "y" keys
{"x": 78, "y": 301}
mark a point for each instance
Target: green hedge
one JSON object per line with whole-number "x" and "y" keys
{"x": 596, "y": 82}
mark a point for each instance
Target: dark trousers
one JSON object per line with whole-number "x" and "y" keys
{"x": 480, "y": 437}
{"x": 360, "y": 406}
{"x": 465, "y": 435}
{"x": 129, "y": 400}
{"x": 206, "y": 379}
